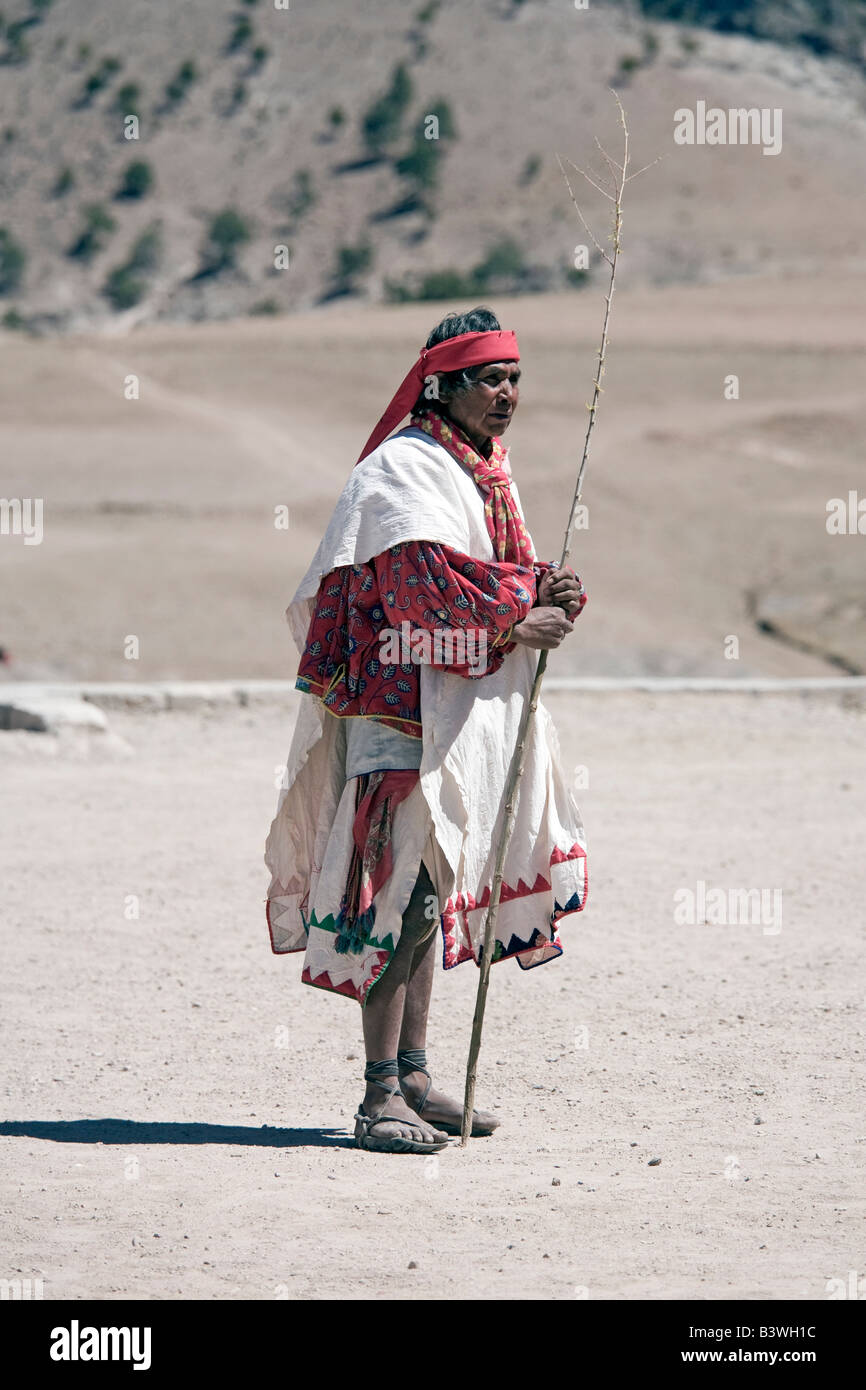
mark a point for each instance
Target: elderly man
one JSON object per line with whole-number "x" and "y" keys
{"x": 386, "y": 828}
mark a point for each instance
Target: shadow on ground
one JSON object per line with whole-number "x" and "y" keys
{"x": 112, "y": 1131}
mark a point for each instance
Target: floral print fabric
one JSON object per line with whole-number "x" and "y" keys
{"x": 432, "y": 587}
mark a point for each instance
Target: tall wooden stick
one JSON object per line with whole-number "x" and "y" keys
{"x": 619, "y": 177}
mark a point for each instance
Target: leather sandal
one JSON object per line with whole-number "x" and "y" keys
{"x": 415, "y": 1059}
{"x": 393, "y": 1144}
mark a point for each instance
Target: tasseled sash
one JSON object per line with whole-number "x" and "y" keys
{"x": 378, "y": 793}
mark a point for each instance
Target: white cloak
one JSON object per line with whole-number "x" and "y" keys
{"x": 412, "y": 488}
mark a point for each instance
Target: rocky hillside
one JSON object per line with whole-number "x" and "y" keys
{"x": 225, "y": 157}
{"x": 823, "y": 26}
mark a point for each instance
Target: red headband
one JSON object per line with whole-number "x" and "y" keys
{"x": 466, "y": 350}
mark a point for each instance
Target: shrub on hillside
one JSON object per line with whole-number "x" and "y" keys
{"x": 530, "y": 170}
{"x": 98, "y": 225}
{"x": 502, "y": 269}
{"x": 442, "y": 110}
{"x": 146, "y": 252}
{"x": 382, "y": 120}
{"x": 420, "y": 164}
{"x": 127, "y": 98}
{"x": 17, "y": 48}
{"x": 137, "y": 180}
{"x": 629, "y": 63}
{"x": 123, "y": 289}
{"x": 64, "y": 182}
{"x": 349, "y": 263}
{"x": 241, "y": 34}
{"x": 302, "y": 195}
{"x": 227, "y": 233}
{"x": 650, "y": 42}
{"x": 503, "y": 263}
{"x": 237, "y": 98}
{"x": 436, "y": 284}
{"x": 177, "y": 89}
{"x": 125, "y": 285}
{"x": 13, "y": 260}
{"x": 98, "y": 79}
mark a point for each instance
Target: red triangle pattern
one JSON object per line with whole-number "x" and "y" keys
{"x": 463, "y": 903}
{"x": 466, "y": 902}
{"x": 347, "y": 987}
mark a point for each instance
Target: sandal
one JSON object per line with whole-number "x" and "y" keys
{"x": 394, "y": 1144}
{"x": 415, "y": 1059}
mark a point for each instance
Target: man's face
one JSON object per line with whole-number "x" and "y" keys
{"x": 487, "y": 407}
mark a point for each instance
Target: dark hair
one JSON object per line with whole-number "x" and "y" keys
{"x": 479, "y": 320}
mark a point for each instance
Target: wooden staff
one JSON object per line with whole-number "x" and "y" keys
{"x": 618, "y": 176}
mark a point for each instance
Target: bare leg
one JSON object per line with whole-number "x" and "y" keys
{"x": 438, "y": 1107}
{"x": 419, "y": 988}
{"x": 419, "y": 985}
{"x": 383, "y": 1020}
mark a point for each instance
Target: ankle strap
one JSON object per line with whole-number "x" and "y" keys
{"x": 412, "y": 1059}
{"x": 374, "y": 1070}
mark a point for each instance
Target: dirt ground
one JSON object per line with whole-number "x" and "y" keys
{"x": 177, "y": 1106}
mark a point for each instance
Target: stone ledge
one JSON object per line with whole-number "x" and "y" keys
{"x": 43, "y": 712}
{"x": 63, "y": 700}
{"x": 147, "y": 696}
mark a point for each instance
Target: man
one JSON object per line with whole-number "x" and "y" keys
{"x": 388, "y": 820}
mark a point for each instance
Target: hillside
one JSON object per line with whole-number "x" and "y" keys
{"x": 304, "y": 129}
{"x": 823, "y": 26}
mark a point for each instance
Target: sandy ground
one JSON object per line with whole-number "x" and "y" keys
{"x": 159, "y": 1141}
